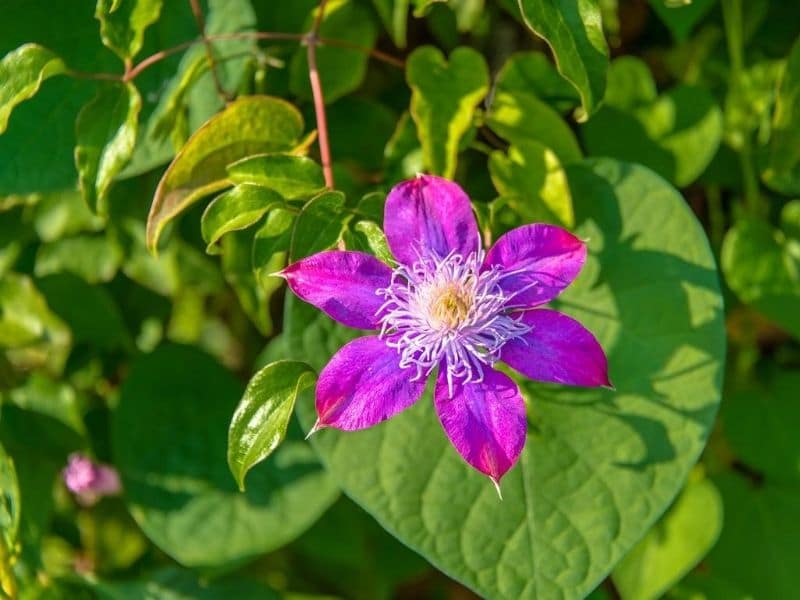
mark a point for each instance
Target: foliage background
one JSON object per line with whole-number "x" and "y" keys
{"x": 670, "y": 140}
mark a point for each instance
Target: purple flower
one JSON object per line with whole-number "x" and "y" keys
{"x": 90, "y": 481}
{"x": 450, "y": 306}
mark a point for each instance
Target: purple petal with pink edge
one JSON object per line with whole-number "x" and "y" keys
{"x": 558, "y": 349}
{"x": 429, "y": 214}
{"x": 541, "y": 260}
{"x": 341, "y": 284}
{"x": 485, "y": 421}
{"x": 363, "y": 385}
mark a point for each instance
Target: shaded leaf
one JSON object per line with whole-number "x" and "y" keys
{"x": 444, "y": 94}
{"x": 319, "y": 225}
{"x": 171, "y": 452}
{"x": 249, "y": 125}
{"x": 9, "y": 505}
{"x": 94, "y": 258}
{"x": 271, "y": 244}
{"x": 236, "y": 209}
{"x": 681, "y": 17}
{"x": 394, "y": 14}
{"x": 122, "y": 24}
{"x": 259, "y": 424}
{"x": 533, "y": 73}
{"x": 21, "y": 73}
{"x": 574, "y": 31}
{"x": 293, "y": 177}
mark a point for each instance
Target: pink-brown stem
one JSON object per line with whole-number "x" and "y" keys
{"x": 311, "y": 40}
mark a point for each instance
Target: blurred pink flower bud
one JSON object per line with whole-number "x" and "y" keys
{"x": 90, "y": 481}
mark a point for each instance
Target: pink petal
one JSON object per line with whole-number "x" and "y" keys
{"x": 485, "y": 421}
{"x": 341, "y": 284}
{"x": 545, "y": 259}
{"x": 557, "y": 350}
{"x": 429, "y": 214}
{"x": 363, "y": 385}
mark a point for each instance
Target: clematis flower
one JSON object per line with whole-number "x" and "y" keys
{"x": 90, "y": 481}
{"x": 450, "y": 307}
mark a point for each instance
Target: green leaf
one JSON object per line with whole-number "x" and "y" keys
{"x": 680, "y": 539}
{"x": 394, "y": 14}
{"x": 782, "y": 172}
{"x": 9, "y": 506}
{"x": 21, "y": 73}
{"x": 374, "y": 240}
{"x": 574, "y": 31}
{"x": 247, "y": 126}
{"x": 341, "y": 70}
{"x": 106, "y": 132}
{"x": 94, "y": 258}
{"x": 271, "y": 244}
{"x": 177, "y": 584}
{"x": 520, "y": 117}
{"x": 676, "y": 134}
{"x": 443, "y": 99}
{"x": 122, "y": 24}
{"x": 599, "y": 466}
{"x": 63, "y": 214}
{"x": 319, "y": 225}
{"x": 236, "y": 209}
{"x": 293, "y": 177}
{"x": 170, "y": 450}
{"x": 681, "y": 17}
{"x": 533, "y": 73}
{"x": 533, "y": 173}
{"x": 259, "y": 424}
{"x": 762, "y": 267}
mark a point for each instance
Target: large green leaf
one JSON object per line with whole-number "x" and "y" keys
{"x": 444, "y": 94}
{"x": 21, "y": 73}
{"x": 262, "y": 417}
{"x": 122, "y": 24}
{"x": 762, "y": 266}
{"x": 533, "y": 73}
{"x": 176, "y": 584}
{"x": 293, "y": 177}
{"x": 574, "y": 31}
{"x": 676, "y": 134}
{"x": 341, "y": 70}
{"x": 674, "y": 545}
{"x": 599, "y": 466}
{"x": 236, "y": 209}
{"x": 782, "y": 171}
{"x": 170, "y": 443}
{"x": 320, "y": 225}
{"x": 106, "y": 132}
{"x": 250, "y": 125}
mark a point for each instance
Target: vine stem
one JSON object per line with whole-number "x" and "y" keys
{"x": 311, "y": 40}
{"x": 201, "y": 27}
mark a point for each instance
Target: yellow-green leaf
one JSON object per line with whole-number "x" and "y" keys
{"x": 122, "y": 24}
{"x": 236, "y": 209}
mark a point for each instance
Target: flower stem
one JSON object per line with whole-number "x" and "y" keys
{"x": 201, "y": 27}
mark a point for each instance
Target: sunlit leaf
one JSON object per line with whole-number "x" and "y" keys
{"x": 293, "y": 177}
{"x": 319, "y": 225}
{"x": 122, "y": 24}
{"x": 236, "y": 209}
{"x": 444, "y": 95}
{"x": 259, "y": 424}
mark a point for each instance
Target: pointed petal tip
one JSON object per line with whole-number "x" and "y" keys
{"x": 317, "y": 426}
{"x": 496, "y": 483}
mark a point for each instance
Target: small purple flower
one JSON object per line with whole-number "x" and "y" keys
{"x": 450, "y": 306}
{"x": 90, "y": 481}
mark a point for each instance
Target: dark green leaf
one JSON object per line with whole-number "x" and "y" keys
{"x": 443, "y": 99}
{"x": 293, "y": 177}
{"x": 533, "y": 73}
{"x": 236, "y": 209}
{"x": 9, "y": 507}
{"x": 394, "y": 14}
{"x": 21, "y": 73}
{"x": 175, "y": 584}
{"x": 247, "y": 126}
{"x": 95, "y": 258}
{"x": 319, "y": 225}
{"x": 574, "y": 31}
{"x": 170, "y": 449}
{"x": 681, "y": 17}
{"x": 122, "y": 24}
{"x": 259, "y": 424}
{"x": 271, "y": 244}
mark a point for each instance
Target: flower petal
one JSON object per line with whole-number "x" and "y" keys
{"x": 485, "y": 421}
{"x": 341, "y": 284}
{"x": 558, "y": 349}
{"x": 544, "y": 260}
{"x": 363, "y": 385}
{"x": 429, "y": 214}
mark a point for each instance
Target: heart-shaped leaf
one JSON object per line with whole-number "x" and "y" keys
{"x": 762, "y": 266}
{"x": 574, "y": 31}
{"x": 22, "y": 72}
{"x": 599, "y": 467}
{"x": 443, "y": 98}
{"x": 260, "y": 421}
{"x": 675, "y": 134}
{"x": 249, "y": 125}
{"x": 171, "y": 453}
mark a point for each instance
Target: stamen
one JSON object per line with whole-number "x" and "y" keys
{"x": 447, "y": 312}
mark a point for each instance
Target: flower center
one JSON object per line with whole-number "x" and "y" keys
{"x": 447, "y": 312}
